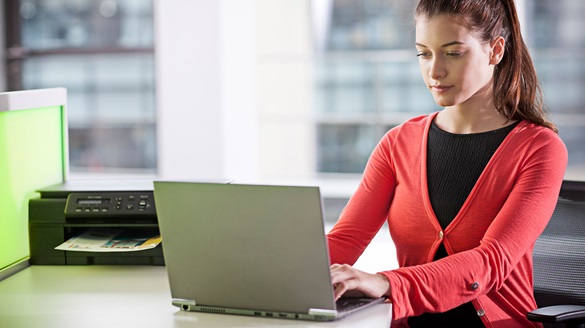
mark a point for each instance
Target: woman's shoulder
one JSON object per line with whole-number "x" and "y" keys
{"x": 418, "y": 123}
{"x": 421, "y": 119}
{"x": 408, "y": 134}
{"x": 534, "y": 136}
{"x": 530, "y": 130}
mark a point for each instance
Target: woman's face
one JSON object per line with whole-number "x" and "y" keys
{"x": 456, "y": 66}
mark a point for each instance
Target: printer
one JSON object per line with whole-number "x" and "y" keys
{"x": 69, "y": 209}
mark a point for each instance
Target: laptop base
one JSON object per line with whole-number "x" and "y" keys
{"x": 352, "y": 305}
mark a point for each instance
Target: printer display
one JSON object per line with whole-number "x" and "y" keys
{"x": 70, "y": 209}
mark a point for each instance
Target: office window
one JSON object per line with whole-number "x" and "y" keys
{"x": 368, "y": 80}
{"x": 103, "y": 53}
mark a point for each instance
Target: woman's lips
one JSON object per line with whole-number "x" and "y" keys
{"x": 441, "y": 88}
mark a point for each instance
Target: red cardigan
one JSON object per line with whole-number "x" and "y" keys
{"x": 490, "y": 240}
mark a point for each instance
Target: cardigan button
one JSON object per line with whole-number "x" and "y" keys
{"x": 440, "y": 234}
{"x": 480, "y": 313}
{"x": 475, "y": 286}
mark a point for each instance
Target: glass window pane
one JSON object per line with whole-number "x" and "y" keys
{"x": 345, "y": 87}
{"x": 563, "y": 81}
{"x": 404, "y": 90}
{"x": 86, "y": 23}
{"x": 99, "y": 148}
{"x": 345, "y": 148}
{"x": 112, "y": 93}
{"x": 371, "y": 24}
{"x": 573, "y": 137}
{"x": 555, "y": 24}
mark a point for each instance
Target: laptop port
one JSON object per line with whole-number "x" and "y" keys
{"x": 259, "y": 314}
{"x": 185, "y": 307}
{"x": 268, "y": 314}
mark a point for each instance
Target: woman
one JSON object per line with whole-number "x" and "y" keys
{"x": 466, "y": 191}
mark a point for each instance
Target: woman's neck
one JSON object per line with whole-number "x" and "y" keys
{"x": 465, "y": 120}
{"x": 477, "y": 114}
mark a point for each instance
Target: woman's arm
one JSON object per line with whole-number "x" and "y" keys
{"x": 367, "y": 210}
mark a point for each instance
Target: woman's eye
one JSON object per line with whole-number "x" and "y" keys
{"x": 454, "y": 54}
{"x": 423, "y": 55}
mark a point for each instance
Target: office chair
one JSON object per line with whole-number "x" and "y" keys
{"x": 559, "y": 262}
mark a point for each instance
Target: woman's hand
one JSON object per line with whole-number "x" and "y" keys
{"x": 346, "y": 278}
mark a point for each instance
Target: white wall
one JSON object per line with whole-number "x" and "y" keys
{"x": 205, "y": 57}
{"x": 234, "y": 89}
{"x": 287, "y": 129}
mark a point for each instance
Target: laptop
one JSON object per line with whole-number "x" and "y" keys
{"x": 257, "y": 250}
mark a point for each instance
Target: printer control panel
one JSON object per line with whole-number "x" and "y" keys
{"x": 119, "y": 204}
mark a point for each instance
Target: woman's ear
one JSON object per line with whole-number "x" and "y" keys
{"x": 498, "y": 47}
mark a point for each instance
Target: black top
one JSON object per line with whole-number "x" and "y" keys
{"x": 454, "y": 163}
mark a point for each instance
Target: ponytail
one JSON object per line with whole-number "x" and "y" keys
{"x": 517, "y": 90}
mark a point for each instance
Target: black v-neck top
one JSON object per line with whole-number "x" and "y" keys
{"x": 454, "y": 164}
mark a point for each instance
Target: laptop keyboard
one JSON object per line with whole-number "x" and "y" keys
{"x": 350, "y": 303}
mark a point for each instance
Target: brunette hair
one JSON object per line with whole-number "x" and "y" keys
{"x": 517, "y": 91}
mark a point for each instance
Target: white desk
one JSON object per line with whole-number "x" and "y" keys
{"x": 125, "y": 296}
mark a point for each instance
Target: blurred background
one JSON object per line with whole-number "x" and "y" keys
{"x": 287, "y": 90}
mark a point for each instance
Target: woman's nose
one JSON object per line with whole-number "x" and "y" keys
{"x": 437, "y": 69}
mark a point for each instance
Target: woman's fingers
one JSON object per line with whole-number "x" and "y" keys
{"x": 346, "y": 278}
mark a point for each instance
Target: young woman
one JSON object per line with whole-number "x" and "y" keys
{"x": 467, "y": 190}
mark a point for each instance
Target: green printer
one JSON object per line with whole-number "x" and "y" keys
{"x": 68, "y": 210}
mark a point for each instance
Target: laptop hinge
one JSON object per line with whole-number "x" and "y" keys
{"x": 323, "y": 312}
{"x": 184, "y": 304}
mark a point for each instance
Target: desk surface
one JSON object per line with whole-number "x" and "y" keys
{"x": 125, "y": 296}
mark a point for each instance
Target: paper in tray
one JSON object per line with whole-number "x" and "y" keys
{"x": 111, "y": 240}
